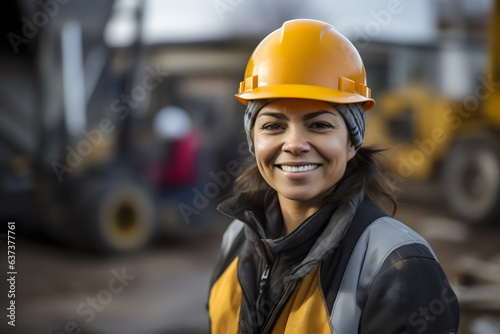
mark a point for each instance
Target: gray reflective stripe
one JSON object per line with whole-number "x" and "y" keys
{"x": 230, "y": 235}
{"x": 379, "y": 240}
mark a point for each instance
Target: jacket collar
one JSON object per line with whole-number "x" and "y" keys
{"x": 266, "y": 220}
{"x": 322, "y": 231}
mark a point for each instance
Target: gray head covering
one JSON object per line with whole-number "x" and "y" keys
{"x": 353, "y": 114}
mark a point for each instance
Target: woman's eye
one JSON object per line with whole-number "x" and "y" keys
{"x": 272, "y": 126}
{"x": 321, "y": 125}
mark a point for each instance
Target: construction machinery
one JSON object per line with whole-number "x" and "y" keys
{"x": 65, "y": 150}
{"x": 441, "y": 119}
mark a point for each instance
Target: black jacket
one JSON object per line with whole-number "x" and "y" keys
{"x": 346, "y": 269}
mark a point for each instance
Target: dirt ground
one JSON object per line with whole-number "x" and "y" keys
{"x": 164, "y": 288}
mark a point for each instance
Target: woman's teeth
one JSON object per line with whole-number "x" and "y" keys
{"x": 295, "y": 169}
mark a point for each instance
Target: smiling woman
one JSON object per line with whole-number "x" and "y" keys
{"x": 301, "y": 148}
{"x": 310, "y": 251}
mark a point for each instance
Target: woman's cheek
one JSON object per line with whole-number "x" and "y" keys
{"x": 262, "y": 145}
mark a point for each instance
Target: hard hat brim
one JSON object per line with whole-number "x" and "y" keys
{"x": 304, "y": 92}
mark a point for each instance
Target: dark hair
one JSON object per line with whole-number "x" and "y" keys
{"x": 363, "y": 173}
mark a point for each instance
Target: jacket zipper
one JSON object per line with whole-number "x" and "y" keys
{"x": 260, "y": 297}
{"x": 265, "y": 272}
{"x": 263, "y": 279}
{"x": 271, "y": 319}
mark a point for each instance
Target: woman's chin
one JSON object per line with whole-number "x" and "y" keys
{"x": 300, "y": 196}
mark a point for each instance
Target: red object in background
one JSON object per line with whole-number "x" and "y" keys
{"x": 181, "y": 168}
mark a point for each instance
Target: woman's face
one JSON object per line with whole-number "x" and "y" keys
{"x": 302, "y": 148}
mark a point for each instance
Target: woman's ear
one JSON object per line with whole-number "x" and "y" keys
{"x": 352, "y": 151}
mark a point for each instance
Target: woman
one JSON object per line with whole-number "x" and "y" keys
{"x": 309, "y": 251}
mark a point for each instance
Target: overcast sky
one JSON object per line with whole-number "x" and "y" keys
{"x": 386, "y": 20}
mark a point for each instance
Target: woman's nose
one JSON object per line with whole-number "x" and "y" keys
{"x": 295, "y": 142}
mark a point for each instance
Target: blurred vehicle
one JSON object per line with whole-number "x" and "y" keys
{"x": 65, "y": 158}
{"x": 443, "y": 121}
{"x": 79, "y": 92}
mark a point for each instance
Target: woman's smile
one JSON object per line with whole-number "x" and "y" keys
{"x": 298, "y": 171}
{"x": 298, "y": 168}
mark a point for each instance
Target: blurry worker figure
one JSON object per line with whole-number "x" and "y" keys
{"x": 180, "y": 167}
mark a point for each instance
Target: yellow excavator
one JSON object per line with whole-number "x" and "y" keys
{"x": 451, "y": 136}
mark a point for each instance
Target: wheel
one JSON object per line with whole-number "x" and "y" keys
{"x": 471, "y": 180}
{"x": 117, "y": 217}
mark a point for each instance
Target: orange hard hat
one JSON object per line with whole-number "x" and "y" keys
{"x": 306, "y": 59}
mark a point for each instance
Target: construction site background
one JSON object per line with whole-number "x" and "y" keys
{"x": 119, "y": 134}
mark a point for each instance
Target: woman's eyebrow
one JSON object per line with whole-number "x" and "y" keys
{"x": 316, "y": 114}
{"x": 274, "y": 114}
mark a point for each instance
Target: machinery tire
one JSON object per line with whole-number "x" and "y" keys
{"x": 117, "y": 217}
{"x": 470, "y": 180}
